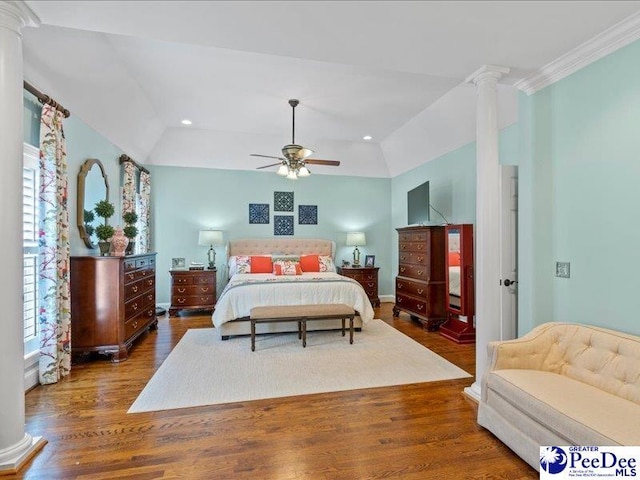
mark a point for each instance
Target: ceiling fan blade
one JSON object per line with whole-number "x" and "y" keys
{"x": 267, "y": 166}
{"x": 317, "y": 161}
{"x": 265, "y": 156}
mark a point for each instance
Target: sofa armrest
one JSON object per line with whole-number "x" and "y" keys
{"x": 528, "y": 352}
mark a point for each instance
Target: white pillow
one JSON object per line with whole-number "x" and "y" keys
{"x": 239, "y": 264}
{"x": 326, "y": 264}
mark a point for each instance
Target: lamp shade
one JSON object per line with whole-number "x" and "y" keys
{"x": 210, "y": 237}
{"x": 356, "y": 239}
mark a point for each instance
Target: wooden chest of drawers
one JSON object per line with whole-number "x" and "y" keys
{"x": 113, "y": 302}
{"x": 367, "y": 277}
{"x": 192, "y": 290}
{"x": 421, "y": 282}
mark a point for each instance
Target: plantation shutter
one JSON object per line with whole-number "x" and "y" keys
{"x": 30, "y": 188}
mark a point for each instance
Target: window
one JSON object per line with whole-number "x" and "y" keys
{"x": 30, "y": 189}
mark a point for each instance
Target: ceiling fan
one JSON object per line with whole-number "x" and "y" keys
{"x": 294, "y": 163}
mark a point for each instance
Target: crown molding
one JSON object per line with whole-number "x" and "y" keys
{"x": 17, "y": 15}
{"x": 612, "y": 39}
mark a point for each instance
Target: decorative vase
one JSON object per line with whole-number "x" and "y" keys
{"x": 130, "y": 247}
{"x": 119, "y": 243}
{"x": 105, "y": 247}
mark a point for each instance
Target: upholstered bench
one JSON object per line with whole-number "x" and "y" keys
{"x": 300, "y": 314}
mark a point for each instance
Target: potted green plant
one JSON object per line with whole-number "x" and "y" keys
{"x": 130, "y": 230}
{"x": 104, "y": 209}
{"x": 89, "y": 217}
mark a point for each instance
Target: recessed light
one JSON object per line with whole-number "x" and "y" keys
{"x": 367, "y": 137}
{"x": 186, "y": 122}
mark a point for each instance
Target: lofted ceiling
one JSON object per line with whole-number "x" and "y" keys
{"x": 133, "y": 70}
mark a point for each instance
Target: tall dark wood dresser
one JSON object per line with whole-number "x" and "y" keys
{"x": 113, "y": 302}
{"x": 421, "y": 283}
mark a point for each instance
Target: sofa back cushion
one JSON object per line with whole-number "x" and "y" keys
{"x": 603, "y": 358}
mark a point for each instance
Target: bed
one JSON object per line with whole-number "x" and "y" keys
{"x": 247, "y": 290}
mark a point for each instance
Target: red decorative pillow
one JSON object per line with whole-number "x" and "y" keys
{"x": 261, "y": 265}
{"x": 310, "y": 263}
{"x": 454, "y": 259}
{"x": 287, "y": 268}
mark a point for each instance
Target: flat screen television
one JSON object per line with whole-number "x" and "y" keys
{"x": 418, "y": 205}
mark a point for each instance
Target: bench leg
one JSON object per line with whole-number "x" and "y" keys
{"x": 253, "y": 335}
{"x": 299, "y": 329}
{"x": 304, "y": 333}
{"x": 343, "y": 327}
{"x": 351, "y": 330}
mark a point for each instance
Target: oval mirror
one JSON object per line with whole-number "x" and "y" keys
{"x": 93, "y": 186}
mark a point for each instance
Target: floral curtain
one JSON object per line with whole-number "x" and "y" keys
{"x": 144, "y": 236}
{"x": 53, "y": 253}
{"x": 128, "y": 187}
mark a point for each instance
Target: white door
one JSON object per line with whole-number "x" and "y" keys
{"x": 509, "y": 252}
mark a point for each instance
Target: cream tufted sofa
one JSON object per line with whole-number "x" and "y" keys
{"x": 562, "y": 384}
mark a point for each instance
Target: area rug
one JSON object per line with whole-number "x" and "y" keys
{"x": 203, "y": 370}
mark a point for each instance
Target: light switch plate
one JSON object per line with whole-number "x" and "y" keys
{"x": 563, "y": 269}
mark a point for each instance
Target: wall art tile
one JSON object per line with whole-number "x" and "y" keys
{"x": 283, "y": 201}
{"x": 307, "y": 214}
{"x": 283, "y": 224}
{"x": 258, "y": 213}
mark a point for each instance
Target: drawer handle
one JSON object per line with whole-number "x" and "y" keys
{"x": 181, "y": 300}
{"x": 403, "y": 257}
{"x": 135, "y": 325}
{"x": 419, "y": 272}
{"x": 182, "y": 290}
{"x": 150, "y": 297}
{"x": 131, "y": 276}
{"x": 400, "y": 286}
{"x": 203, "y": 299}
{"x": 204, "y": 289}
{"x": 150, "y": 282}
{"x": 420, "y": 306}
{"x": 135, "y": 288}
{"x": 420, "y": 246}
{"x": 134, "y": 306}
{"x": 371, "y": 285}
{"x": 420, "y": 291}
{"x": 420, "y": 259}
{"x": 402, "y": 245}
{"x": 399, "y": 300}
{"x": 402, "y": 269}
{"x": 144, "y": 274}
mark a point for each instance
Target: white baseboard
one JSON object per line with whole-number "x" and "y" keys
{"x": 388, "y": 298}
{"x": 31, "y": 374}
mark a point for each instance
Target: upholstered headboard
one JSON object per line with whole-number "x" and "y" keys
{"x": 281, "y": 246}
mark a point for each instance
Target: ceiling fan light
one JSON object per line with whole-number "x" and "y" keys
{"x": 304, "y": 153}
{"x": 304, "y": 172}
{"x": 292, "y": 175}
{"x": 283, "y": 170}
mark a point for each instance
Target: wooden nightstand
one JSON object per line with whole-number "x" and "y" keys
{"x": 192, "y": 290}
{"x": 367, "y": 277}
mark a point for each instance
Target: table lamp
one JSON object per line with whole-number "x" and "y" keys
{"x": 211, "y": 238}
{"x": 355, "y": 239}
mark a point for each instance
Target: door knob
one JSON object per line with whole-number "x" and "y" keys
{"x": 508, "y": 282}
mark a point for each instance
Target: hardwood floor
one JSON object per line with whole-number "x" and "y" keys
{"x": 419, "y": 431}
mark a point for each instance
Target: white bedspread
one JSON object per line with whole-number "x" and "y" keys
{"x": 454, "y": 281}
{"x": 245, "y": 291}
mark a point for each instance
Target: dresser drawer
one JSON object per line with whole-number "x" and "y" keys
{"x": 182, "y": 279}
{"x": 146, "y": 272}
{"x": 133, "y": 307}
{"x": 413, "y": 271}
{"x": 413, "y": 237}
{"x": 413, "y": 247}
{"x": 129, "y": 265}
{"x": 410, "y": 303}
{"x": 130, "y": 277}
{"x": 133, "y": 325}
{"x": 148, "y": 282}
{"x": 142, "y": 262}
{"x": 149, "y": 298}
{"x": 417, "y": 258}
{"x": 412, "y": 288}
{"x": 192, "y": 290}
{"x": 191, "y": 300}
{"x": 133, "y": 289}
{"x": 203, "y": 279}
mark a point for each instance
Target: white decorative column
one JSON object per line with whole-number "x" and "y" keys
{"x": 487, "y": 234}
{"x": 16, "y": 446}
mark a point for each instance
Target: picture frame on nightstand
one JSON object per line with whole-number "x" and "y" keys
{"x": 370, "y": 261}
{"x": 178, "y": 263}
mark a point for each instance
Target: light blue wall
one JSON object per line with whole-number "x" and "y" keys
{"x": 580, "y": 196}
{"x": 186, "y": 200}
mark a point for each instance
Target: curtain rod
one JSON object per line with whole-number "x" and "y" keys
{"x": 42, "y": 98}
{"x": 127, "y": 158}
